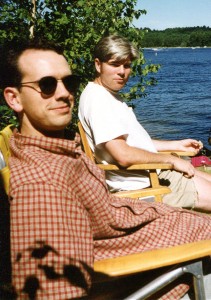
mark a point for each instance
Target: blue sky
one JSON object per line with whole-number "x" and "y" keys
{"x": 162, "y": 14}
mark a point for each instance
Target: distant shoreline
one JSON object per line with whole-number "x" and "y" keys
{"x": 160, "y": 48}
{"x": 177, "y": 37}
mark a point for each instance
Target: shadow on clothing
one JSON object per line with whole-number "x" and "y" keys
{"x": 6, "y": 291}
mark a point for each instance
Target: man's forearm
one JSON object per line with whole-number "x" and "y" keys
{"x": 165, "y": 145}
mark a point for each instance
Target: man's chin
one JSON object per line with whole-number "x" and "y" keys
{"x": 120, "y": 86}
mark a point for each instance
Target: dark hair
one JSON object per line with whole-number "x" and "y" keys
{"x": 10, "y": 52}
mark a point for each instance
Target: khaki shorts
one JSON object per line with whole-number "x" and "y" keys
{"x": 184, "y": 193}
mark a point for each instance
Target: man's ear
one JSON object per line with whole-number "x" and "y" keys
{"x": 97, "y": 65}
{"x": 12, "y": 97}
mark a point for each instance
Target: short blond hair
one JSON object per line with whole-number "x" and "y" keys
{"x": 115, "y": 46}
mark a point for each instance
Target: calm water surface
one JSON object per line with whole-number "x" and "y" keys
{"x": 180, "y": 105}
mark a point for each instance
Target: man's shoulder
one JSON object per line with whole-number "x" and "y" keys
{"x": 92, "y": 87}
{"x": 94, "y": 95}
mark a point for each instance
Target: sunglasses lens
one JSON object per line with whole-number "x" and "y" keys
{"x": 48, "y": 85}
{"x": 71, "y": 83}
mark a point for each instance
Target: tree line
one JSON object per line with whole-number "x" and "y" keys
{"x": 177, "y": 37}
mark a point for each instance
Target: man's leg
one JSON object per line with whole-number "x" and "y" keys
{"x": 203, "y": 187}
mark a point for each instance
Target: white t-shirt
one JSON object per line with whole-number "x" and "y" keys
{"x": 104, "y": 117}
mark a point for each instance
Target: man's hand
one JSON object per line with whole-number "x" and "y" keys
{"x": 190, "y": 145}
{"x": 183, "y": 166}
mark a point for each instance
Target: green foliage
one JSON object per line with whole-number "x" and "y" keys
{"x": 178, "y": 37}
{"x": 77, "y": 25}
{"x": 7, "y": 116}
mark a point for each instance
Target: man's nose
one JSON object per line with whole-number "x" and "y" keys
{"x": 61, "y": 89}
{"x": 121, "y": 69}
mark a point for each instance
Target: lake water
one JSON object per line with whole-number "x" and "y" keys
{"x": 179, "y": 106}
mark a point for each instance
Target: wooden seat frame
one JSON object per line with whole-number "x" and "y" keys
{"x": 5, "y": 135}
{"x": 155, "y": 190}
{"x": 186, "y": 258}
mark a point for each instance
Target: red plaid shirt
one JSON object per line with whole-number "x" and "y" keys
{"x": 63, "y": 218}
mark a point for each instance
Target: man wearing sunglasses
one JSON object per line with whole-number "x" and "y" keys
{"x": 62, "y": 215}
{"x": 50, "y": 93}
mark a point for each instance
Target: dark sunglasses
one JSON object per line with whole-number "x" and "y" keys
{"x": 48, "y": 84}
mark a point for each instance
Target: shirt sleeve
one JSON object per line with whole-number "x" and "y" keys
{"x": 106, "y": 117}
{"x": 51, "y": 242}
